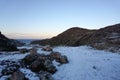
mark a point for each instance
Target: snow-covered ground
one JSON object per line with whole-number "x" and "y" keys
{"x": 88, "y": 64}
{"x": 85, "y": 63}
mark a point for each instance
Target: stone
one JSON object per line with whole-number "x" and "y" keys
{"x": 49, "y": 66}
{"x": 33, "y": 50}
{"x": 43, "y": 64}
{"x": 24, "y": 50}
{"x": 30, "y": 58}
{"x": 63, "y": 60}
{"x": 18, "y": 75}
{"x": 37, "y": 65}
{"x": 94, "y": 67}
{"x": 47, "y": 48}
{"x": 55, "y": 55}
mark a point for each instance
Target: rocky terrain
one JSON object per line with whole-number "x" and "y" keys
{"x": 68, "y": 37}
{"x": 107, "y": 38}
{"x": 57, "y": 62}
{"x": 38, "y": 63}
{"x": 35, "y": 62}
{"x": 6, "y": 44}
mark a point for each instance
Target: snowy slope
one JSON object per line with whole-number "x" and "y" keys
{"x": 88, "y": 64}
{"x": 85, "y": 63}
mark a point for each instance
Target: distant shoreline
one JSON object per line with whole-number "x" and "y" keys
{"x": 27, "y": 41}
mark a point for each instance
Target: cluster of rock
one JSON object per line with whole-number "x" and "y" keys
{"x": 107, "y": 38}
{"x": 41, "y": 64}
{"x": 37, "y": 62}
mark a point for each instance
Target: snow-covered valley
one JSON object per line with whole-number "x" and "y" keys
{"x": 85, "y": 63}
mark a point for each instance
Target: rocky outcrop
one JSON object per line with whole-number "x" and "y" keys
{"x": 41, "y": 62}
{"x": 6, "y": 44}
{"x": 107, "y": 38}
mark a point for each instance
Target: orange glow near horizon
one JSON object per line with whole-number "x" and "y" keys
{"x": 29, "y": 36}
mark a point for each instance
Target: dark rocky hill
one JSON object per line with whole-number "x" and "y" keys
{"x": 105, "y": 38}
{"x": 6, "y": 44}
{"x": 67, "y": 38}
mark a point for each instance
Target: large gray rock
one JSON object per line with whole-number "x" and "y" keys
{"x": 24, "y": 50}
{"x": 55, "y": 55}
{"x": 37, "y": 65}
{"x": 30, "y": 58}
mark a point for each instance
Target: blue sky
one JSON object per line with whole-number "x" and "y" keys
{"x": 47, "y": 18}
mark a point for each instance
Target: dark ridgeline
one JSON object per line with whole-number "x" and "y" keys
{"x": 105, "y": 38}
{"x": 6, "y": 44}
{"x": 68, "y": 37}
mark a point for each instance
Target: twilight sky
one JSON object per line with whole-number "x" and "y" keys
{"x": 46, "y": 18}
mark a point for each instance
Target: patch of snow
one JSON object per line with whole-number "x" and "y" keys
{"x": 27, "y": 47}
{"x": 13, "y": 57}
{"x": 56, "y": 64}
{"x": 88, "y": 64}
{"x": 43, "y": 52}
{"x": 29, "y": 74}
{"x": 85, "y": 63}
{"x": 4, "y": 77}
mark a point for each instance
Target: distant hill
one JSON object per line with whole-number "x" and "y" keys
{"x": 68, "y": 37}
{"x": 105, "y": 38}
{"x": 7, "y": 44}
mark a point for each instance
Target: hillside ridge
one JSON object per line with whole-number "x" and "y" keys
{"x": 76, "y": 36}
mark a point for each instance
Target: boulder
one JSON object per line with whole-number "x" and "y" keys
{"x": 55, "y": 55}
{"x": 24, "y": 50}
{"x": 63, "y": 60}
{"x": 42, "y": 63}
{"x": 18, "y": 75}
{"x": 47, "y": 48}
{"x": 30, "y": 58}
{"x": 33, "y": 50}
{"x": 45, "y": 76}
{"x": 49, "y": 66}
{"x": 37, "y": 65}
